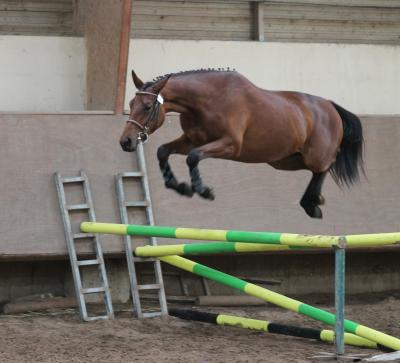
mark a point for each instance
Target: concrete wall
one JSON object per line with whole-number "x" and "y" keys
{"x": 363, "y": 78}
{"x": 366, "y": 272}
{"x": 248, "y": 196}
{"x": 306, "y": 274}
{"x": 27, "y": 278}
{"x": 36, "y": 146}
{"x": 47, "y": 74}
{"x": 42, "y": 73}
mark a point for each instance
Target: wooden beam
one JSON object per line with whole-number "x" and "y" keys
{"x": 259, "y": 21}
{"x": 123, "y": 56}
{"x": 78, "y": 17}
{"x": 102, "y": 37}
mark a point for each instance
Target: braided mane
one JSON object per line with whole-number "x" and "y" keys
{"x": 182, "y": 73}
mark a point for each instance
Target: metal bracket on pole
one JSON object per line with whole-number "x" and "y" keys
{"x": 340, "y": 262}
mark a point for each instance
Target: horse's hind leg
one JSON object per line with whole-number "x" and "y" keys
{"x": 178, "y": 146}
{"x": 312, "y": 197}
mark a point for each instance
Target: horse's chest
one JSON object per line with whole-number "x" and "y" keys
{"x": 197, "y": 134}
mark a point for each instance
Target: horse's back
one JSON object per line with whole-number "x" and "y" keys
{"x": 284, "y": 123}
{"x": 323, "y": 129}
{"x": 265, "y": 126}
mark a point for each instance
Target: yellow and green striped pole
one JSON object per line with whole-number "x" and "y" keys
{"x": 281, "y": 300}
{"x": 207, "y": 248}
{"x": 323, "y": 335}
{"x": 275, "y": 238}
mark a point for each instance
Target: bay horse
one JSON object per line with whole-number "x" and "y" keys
{"x": 223, "y": 115}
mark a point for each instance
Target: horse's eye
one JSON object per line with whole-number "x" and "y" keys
{"x": 147, "y": 107}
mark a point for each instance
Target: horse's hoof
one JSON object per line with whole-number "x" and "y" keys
{"x": 311, "y": 209}
{"x": 314, "y": 211}
{"x": 184, "y": 189}
{"x": 206, "y": 193}
{"x": 317, "y": 213}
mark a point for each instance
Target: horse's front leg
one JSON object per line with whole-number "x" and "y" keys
{"x": 179, "y": 146}
{"x": 221, "y": 149}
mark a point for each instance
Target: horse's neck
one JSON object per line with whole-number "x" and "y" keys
{"x": 180, "y": 95}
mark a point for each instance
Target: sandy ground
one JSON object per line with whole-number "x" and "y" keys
{"x": 59, "y": 336}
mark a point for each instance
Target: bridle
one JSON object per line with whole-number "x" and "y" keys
{"x": 143, "y": 135}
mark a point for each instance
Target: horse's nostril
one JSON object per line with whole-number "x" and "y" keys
{"x": 127, "y": 144}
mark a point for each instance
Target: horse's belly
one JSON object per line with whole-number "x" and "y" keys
{"x": 265, "y": 151}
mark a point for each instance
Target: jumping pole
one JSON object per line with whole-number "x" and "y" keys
{"x": 272, "y": 238}
{"x": 323, "y": 335}
{"x": 275, "y": 238}
{"x": 207, "y": 248}
{"x": 281, "y": 300}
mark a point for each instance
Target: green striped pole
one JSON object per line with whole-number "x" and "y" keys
{"x": 289, "y": 239}
{"x": 281, "y": 300}
{"x": 323, "y": 335}
{"x": 207, "y": 248}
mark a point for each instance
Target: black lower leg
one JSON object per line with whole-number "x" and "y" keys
{"x": 197, "y": 183}
{"x": 170, "y": 181}
{"x": 312, "y": 197}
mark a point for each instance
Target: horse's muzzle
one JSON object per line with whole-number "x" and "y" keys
{"x": 127, "y": 145}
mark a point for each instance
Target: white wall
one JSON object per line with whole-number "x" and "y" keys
{"x": 42, "y": 73}
{"x": 363, "y": 78}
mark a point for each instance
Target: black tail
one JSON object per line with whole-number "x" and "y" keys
{"x": 349, "y": 160}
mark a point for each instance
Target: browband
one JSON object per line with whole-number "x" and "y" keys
{"x": 160, "y": 98}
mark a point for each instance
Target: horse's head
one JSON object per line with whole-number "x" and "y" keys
{"x": 146, "y": 115}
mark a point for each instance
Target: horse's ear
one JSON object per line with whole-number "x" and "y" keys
{"x": 136, "y": 80}
{"x": 160, "y": 85}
